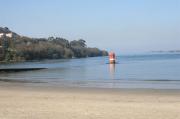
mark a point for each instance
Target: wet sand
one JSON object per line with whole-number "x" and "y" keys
{"x": 24, "y": 101}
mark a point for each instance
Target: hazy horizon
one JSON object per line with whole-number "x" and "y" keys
{"x": 121, "y": 26}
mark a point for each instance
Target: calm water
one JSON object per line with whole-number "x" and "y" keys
{"x": 159, "y": 71}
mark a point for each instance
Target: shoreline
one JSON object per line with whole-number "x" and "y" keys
{"x": 36, "y": 85}
{"x": 92, "y": 84}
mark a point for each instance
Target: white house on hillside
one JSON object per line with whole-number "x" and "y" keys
{"x": 6, "y": 34}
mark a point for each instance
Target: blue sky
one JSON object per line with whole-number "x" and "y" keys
{"x": 119, "y": 25}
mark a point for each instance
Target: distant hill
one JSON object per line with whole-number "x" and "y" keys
{"x": 26, "y": 48}
{"x": 4, "y": 30}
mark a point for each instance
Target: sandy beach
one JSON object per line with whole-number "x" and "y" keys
{"x": 19, "y": 101}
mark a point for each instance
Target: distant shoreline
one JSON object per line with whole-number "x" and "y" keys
{"x": 171, "y": 51}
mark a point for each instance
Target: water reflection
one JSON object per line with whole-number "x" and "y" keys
{"x": 112, "y": 70}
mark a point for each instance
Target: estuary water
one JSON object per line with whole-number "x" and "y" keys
{"x": 155, "y": 71}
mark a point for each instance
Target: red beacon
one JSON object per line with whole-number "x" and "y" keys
{"x": 112, "y": 58}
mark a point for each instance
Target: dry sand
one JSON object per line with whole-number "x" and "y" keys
{"x": 41, "y": 102}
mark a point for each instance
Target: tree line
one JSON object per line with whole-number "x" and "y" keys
{"x": 54, "y": 48}
{"x": 25, "y": 48}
